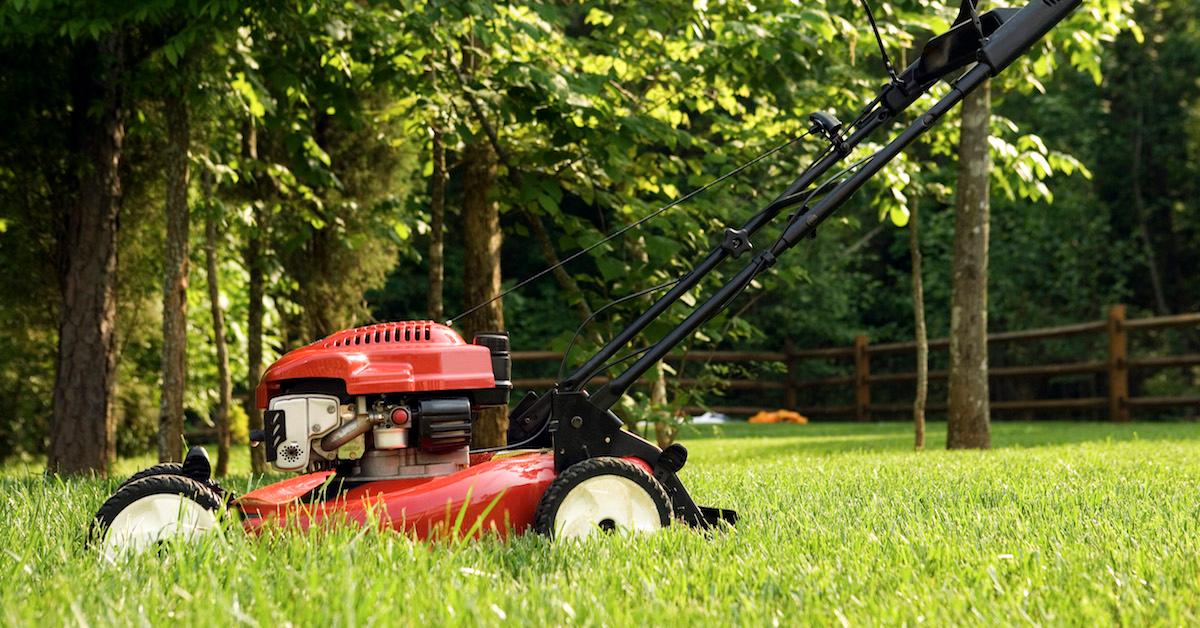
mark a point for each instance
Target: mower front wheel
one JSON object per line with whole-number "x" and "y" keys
{"x": 153, "y": 509}
{"x": 602, "y": 494}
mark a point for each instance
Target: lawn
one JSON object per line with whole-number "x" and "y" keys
{"x": 1063, "y": 523}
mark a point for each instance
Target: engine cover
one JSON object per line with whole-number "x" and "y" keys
{"x": 404, "y": 357}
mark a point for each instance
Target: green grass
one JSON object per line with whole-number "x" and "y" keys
{"x": 1062, "y": 523}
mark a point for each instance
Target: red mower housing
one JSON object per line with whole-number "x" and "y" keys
{"x": 497, "y": 496}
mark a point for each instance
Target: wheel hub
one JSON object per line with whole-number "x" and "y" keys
{"x": 156, "y": 518}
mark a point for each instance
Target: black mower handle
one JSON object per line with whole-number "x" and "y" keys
{"x": 1020, "y": 31}
{"x": 993, "y": 41}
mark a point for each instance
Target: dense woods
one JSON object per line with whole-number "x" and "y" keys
{"x": 188, "y": 190}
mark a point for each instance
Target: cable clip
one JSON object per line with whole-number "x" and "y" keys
{"x": 829, "y": 127}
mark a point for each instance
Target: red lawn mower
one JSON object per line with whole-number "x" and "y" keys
{"x": 378, "y": 419}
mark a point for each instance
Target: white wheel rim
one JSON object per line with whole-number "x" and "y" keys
{"x": 156, "y": 518}
{"x": 605, "y": 501}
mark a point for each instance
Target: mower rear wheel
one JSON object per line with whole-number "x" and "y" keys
{"x": 144, "y": 513}
{"x": 195, "y": 466}
{"x": 602, "y": 494}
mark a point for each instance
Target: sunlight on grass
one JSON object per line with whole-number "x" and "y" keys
{"x": 1061, "y": 523}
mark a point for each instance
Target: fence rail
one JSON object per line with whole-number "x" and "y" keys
{"x": 1115, "y": 367}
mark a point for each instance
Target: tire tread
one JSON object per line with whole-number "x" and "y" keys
{"x": 162, "y": 468}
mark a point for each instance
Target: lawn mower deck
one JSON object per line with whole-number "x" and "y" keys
{"x": 497, "y": 496}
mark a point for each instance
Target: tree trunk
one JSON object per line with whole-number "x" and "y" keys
{"x": 437, "y": 222}
{"x": 254, "y": 345}
{"x": 224, "y": 383}
{"x": 254, "y": 309}
{"x": 536, "y": 226}
{"x": 968, "y": 422}
{"x": 922, "y": 338}
{"x": 82, "y": 437}
{"x": 564, "y": 278}
{"x": 1139, "y": 210}
{"x": 482, "y": 241}
{"x": 175, "y": 282}
{"x": 317, "y": 273}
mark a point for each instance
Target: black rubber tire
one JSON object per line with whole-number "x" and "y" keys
{"x": 162, "y": 468}
{"x": 163, "y": 484}
{"x": 547, "y": 509}
{"x": 176, "y": 469}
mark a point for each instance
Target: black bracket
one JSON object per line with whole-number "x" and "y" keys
{"x": 736, "y": 241}
{"x": 968, "y": 13}
{"x": 581, "y": 430}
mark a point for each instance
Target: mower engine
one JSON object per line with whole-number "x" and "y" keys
{"x": 386, "y": 401}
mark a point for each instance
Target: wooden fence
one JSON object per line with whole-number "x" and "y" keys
{"x": 1115, "y": 368}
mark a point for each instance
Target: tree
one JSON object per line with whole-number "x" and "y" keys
{"x": 596, "y": 116}
{"x": 82, "y": 429}
{"x": 118, "y": 49}
{"x": 968, "y": 424}
{"x": 220, "y": 344}
{"x": 253, "y": 259}
{"x": 437, "y": 224}
{"x": 254, "y": 262}
{"x": 922, "y": 338}
{"x": 481, "y": 282}
{"x": 175, "y": 277}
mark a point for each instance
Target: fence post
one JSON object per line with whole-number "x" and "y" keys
{"x": 1118, "y": 365}
{"x": 862, "y": 389}
{"x": 789, "y": 391}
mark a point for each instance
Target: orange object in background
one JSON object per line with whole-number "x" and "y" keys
{"x": 779, "y": 416}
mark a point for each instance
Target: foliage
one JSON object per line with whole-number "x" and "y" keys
{"x": 603, "y": 113}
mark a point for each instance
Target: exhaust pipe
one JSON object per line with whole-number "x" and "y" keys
{"x": 348, "y": 432}
{"x": 362, "y": 423}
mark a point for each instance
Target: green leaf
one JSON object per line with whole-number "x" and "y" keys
{"x": 249, "y": 96}
{"x": 547, "y": 203}
{"x": 611, "y": 268}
